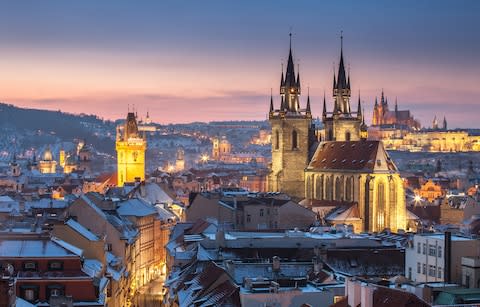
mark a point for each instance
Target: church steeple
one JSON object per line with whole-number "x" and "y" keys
{"x": 271, "y": 101}
{"x": 324, "y": 113}
{"x": 359, "y": 107}
{"x": 290, "y": 86}
{"x": 308, "y": 110}
{"x": 341, "y": 88}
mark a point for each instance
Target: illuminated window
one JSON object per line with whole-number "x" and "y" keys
{"x": 30, "y": 266}
{"x": 277, "y": 140}
{"x": 55, "y": 265}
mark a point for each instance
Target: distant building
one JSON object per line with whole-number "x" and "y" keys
{"x": 221, "y": 148}
{"x": 130, "y": 146}
{"x": 384, "y": 117}
{"x": 430, "y": 191}
{"x": 47, "y": 165}
{"x": 180, "y": 160}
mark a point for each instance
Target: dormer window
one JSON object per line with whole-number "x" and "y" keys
{"x": 30, "y": 266}
{"x": 55, "y": 265}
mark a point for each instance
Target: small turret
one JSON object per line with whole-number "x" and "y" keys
{"x": 324, "y": 113}
{"x": 359, "y": 107}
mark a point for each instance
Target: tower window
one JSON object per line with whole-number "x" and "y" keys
{"x": 294, "y": 140}
{"x": 347, "y": 136}
{"x": 277, "y": 140}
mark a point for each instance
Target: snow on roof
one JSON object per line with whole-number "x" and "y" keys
{"x": 45, "y": 203}
{"x": 5, "y": 198}
{"x": 81, "y": 230}
{"x": 92, "y": 267}
{"x": 154, "y": 194}
{"x": 77, "y": 251}
{"x": 19, "y": 302}
{"x": 34, "y": 249}
{"x": 135, "y": 207}
{"x": 164, "y": 214}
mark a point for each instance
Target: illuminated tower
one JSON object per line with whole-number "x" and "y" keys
{"x": 180, "y": 162}
{"x": 131, "y": 146}
{"x": 47, "y": 165}
{"x": 293, "y": 135}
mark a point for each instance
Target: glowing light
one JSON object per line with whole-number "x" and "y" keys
{"x": 204, "y": 158}
{"x": 417, "y": 198}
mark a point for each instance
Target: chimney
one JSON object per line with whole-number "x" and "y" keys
{"x": 448, "y": 256}
{"x": 276, "y": 264}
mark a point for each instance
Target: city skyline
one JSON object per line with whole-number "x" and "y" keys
{"x": 186, "y": 62}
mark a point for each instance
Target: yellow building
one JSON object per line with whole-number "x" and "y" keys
{"x": 131, "y": 146}
{"x": 47, "y": 165}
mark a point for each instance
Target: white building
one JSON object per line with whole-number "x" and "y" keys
{"x": 425, "y": 260}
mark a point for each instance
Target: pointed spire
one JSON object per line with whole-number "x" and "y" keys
{"x": 376, "y": 102}
{"x": 396, "y": 105}
{"x": 382, "y": 99}
{"x": 359, "y": 107}
{"x": 298, "y": 76}
{"x": 271, "y": 100}
{"x": 290, "y": 73}
{"x": 341, "y": 79}
{"x": 324, "y": 113}
{"x": 282, "y": 80}
{"x": 309, "y": 111}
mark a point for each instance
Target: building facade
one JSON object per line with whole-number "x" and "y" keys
{"x": 131, "y": 146}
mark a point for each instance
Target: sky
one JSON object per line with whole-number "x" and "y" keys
{"x": 185, "y": 61}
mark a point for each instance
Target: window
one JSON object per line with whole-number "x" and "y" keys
{"x": 410, "y": 273}
{"x": 418, "y": 268}
{"x": 249, "y": 218}
{"x": 424, "y": 248}
{"x": 29, "y": 293}
{"x": 439, "y": 252}
{"x": 55, "y": 290}
{"x": 439, "y": 274}
{"x": 432, "y": 250}
{"x": 424, "y": 269}
{"x": 432, "y": 271}
{"x": 30, "y": 266}
{"x": 294, "y": 140}
{"x": 261, "y": 212}
{"x": 55, "y": 265}
{"x": 419, "y": 248}
{"x": 277, "y": 140}
{"x": 347, "y": 136}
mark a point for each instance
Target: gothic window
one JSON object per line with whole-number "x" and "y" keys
{"x": 294, "y": 140}
{"x": 381, "y": 206}
{"x": 339, "y": 189}
{"x": 349, "y": 189}
{"x": 277, "y": 140}
{"x": 309, "y": 187}
{"x": 319, "y": 188}
{"x": 347, "y": 136}
{"x": 135, "y": 156}
{"x": 330, "y": 135}
{"x": 329, "y": 188}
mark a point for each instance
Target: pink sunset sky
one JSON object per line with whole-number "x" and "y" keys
{"x": 182, "y": 66}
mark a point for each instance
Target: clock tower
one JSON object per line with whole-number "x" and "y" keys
{"x": 131, "y": 146}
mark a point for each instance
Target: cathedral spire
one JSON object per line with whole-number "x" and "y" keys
{"x": 359, "y": 107}
{"x": 282, "y": 80}
{"x": 382, "y": 99}
{"x": 341, "y": 79}
{"x": 324, "y": 113}
{"x": 309, "y": 111}
{"x": 290, "y": 73}
{"x": 376, "y": 101}
{"x": 396, "y": 105}
{"x": 271, "y": 100}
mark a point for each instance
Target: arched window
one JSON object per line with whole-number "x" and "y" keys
{"x": 319, "y": 188}
{"x": 294, "y": 140}
{"x": 347, "y": 136}
{"x": 380, "y": 207}
{"x": 349, "y": 189}
{"x": 277, "y": 139}
{"x": 339, "y": 189}
{"x": 329, "y": 188}
{"x": 330, "y": 135}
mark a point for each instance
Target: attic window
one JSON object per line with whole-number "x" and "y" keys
{"x": 343, "y": 145}
{"x": 379, "y": 162}
{"x": 353, "y": 161}
{"x": 344, "y": 160}
{"x": 332, "y": 145}
{"x": 334, "y": 160}
{"x": 361, "y": 161}
{"x": 353, "y": 145}
{"x": 324, "y": 160}
{"x": 370, "y": 146}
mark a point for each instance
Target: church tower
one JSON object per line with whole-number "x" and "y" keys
{"x": 131, "y": 146}
{"x": 293, "y": 135}
{"x": 342, "y": 124}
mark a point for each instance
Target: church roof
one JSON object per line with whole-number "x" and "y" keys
{"x": 350, "y": 155}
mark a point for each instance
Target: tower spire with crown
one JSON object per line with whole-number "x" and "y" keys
{"x": 359, "y": 107}
{"x": 290, "y": 85}
{"x": 324, "y": 113}
{"x": 341, "y": 89}
{"x": 308, "y": 110}
{"x": 271, "y": 101}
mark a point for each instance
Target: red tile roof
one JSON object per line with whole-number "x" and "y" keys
{"x": 386, "y": 297}
{"x": 347, "y": 155}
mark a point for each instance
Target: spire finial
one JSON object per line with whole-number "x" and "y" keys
{"x": 290, "y": 34}
{"x": 341, "y": 40}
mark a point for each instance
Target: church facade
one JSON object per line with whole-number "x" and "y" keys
{"x": 383, "y": 116}
{"x": 346, "y": 172}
